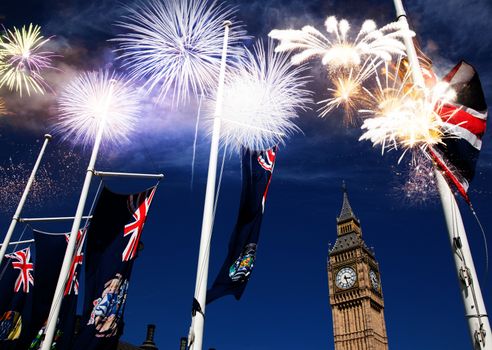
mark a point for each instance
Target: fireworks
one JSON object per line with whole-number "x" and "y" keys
{"x": 23, "y": 60}
{"x": 175, "y": 46}
{"x": 339, "y": 50}
{"x": 44, "y": 190}
{"x": 261, "y": 100}
{"x": 94, "y": 99}
{"x": 348, "y": 91}
{"x": 420, "y": 184}
{"x": 404, "y": 115}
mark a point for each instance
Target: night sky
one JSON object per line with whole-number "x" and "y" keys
{"x": 285, "y": 305}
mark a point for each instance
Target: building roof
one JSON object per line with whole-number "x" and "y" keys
{"x": 349, "y": 241}
{"x": 346, "y": 213}
{"x": 127, "y": 346}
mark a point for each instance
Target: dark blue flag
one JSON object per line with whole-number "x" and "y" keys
{"x": 50, "y": 250}
{"x": 112, "y": 245}
{"x": 16, "y": 287}
{"x": 257, "y": 169}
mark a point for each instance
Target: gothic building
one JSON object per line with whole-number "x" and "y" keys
{"x": 354, "y": 282}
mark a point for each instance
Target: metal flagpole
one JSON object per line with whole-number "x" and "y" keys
{"x": 20, "y": 242}
{"x": 475, "y": 312}
{"x": 18, "y": 211}
{"x": 208, "y": 209}
{"x": 67, "y": 260}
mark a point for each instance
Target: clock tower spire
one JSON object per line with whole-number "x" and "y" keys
{"x": 354, "y": 284}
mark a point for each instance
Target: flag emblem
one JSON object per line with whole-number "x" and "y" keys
{"x": 108, "y": 309}
{"x": 10, "y": 325}
{"x": 267, "y": 159}
{"x": 243, "y": 266}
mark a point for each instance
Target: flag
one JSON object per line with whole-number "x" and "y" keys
{"x": 50, "y": 251}
{"x": 16, "y": 286}
{"x": 465, "y": 120}
{"x": 112, "y": 246}
{"x": 257, "y": 169}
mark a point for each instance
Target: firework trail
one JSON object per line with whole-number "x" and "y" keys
{"x": 175, "y": 46}
{"x": 338, "y": 49}
{"x": 93, "y": 98}
{"x": 23, "y": 60}
{"x": 261, "y": 100}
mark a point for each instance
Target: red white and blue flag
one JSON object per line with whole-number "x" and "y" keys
{"x": 21, "y": 261}
{"x": 139, "y": 206}
{"x": 465, "y": 120}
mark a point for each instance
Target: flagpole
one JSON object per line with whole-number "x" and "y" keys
{"x": 20, "y": 206}
{"x": 67, "y": 260}
{"x": 208, "y": 209}
{"x": 475, "y": 312}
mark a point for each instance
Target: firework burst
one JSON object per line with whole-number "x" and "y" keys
{"x": 420, "y": 185}
{"x": 175, "y": 46}
{"x": 261, "y": 99}
{"x": 404, "y": 115}
{"x": 97, "y": 99}
{"x": 348, "y": 91}
{"x": 338, "y": 49}
{"x": 23, "y": 60}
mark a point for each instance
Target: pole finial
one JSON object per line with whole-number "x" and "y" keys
{"x": 48, "y": 136}
{"x": 227, "y": 23}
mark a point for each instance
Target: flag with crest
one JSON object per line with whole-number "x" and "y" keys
{"x": 257, "y": 170}
{"x": 112, "y": 246}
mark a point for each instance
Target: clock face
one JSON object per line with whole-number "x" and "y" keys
{"x": 345, "y": 278}
{"x": 374, "y": 279}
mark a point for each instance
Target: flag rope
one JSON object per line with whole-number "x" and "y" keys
{"x": 217, "y": 193}
{"x": 14, "y": 249}
{"x": 484, "y": 236}
{"x": 198, "y": 113}
{"x": 465, "y": 272}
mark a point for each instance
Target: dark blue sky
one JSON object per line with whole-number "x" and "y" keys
{"x": 285, "y": 305}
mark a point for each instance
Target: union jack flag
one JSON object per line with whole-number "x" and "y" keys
{"x": 139, "y": 207}
{"x": 266, "y": 160}
{"x": 466, "y": 120}
{"x": 72, "y": 285}
{"x": 21, "y": 261}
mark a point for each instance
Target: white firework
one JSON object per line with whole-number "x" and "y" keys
{"x": 261, "y": 99}
{"x": 403, "y": 115}
{"x": 175, "y": 46}
{"x": 94, "y": 100}
{"x": 338, "y": 49}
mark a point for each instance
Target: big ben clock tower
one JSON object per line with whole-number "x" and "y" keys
{"x": 356, "y": 297}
